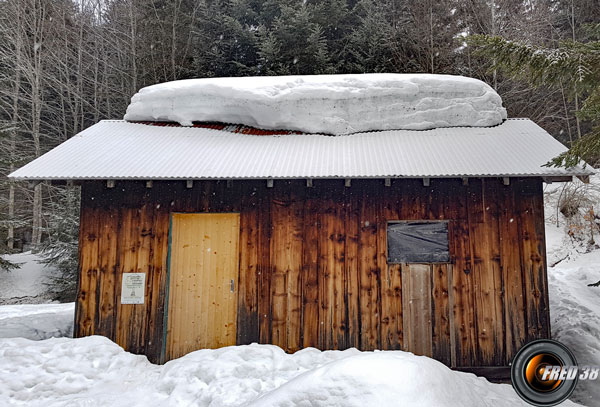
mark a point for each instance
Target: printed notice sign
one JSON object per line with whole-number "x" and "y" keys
{"x": 132, "y": 288}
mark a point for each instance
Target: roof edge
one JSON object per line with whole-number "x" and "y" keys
{"x": 395, "y": 177}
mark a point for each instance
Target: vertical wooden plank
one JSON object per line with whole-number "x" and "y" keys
{"x": 157, "y": 296}
{"x": 338, "y": 240}
{"x": 391, "y": 275}
{"x": 440, "y": 313}
{"x": 227, "y": 230}
{"x": 532, "y": 258}
{"x": 541, "y": 269}
{"x": 80, "y": 309}
{"x": 265, "y": 269}
{"x": 492, "y": 194}
{"x": 383, "y": 212}
{"x": 107, "y": 258}
{"x": 214, "y": 321}
{"x": 280, "y": 247}
{"x": 231, "y": 282}
{"x": 510, "y": 257}
{"x": 462, "y": 286}
{"x": 483, "y": 285}
{"x": 441, "y": 192}
{"x": 416, "y": 294}
{"x": 324, "y": 277}
{"x": 352, "y": 291}
{"x": 127, "y": 247}
{"x": 327, "y": 270}
{"x": 143, "y": 264}
{"x": 332, "y": 239}
{"x": 175, "y": 284}
{"x": 414, "y": 203}
{"x": 86, "y": 297}
{"x": 452, "y": 322}
{"x": 391, "y": 309}
{"x": 407, "y": 322}
{"x": 286, "y": 249}
{"x": 369, "y": 294}
{"x": 294, "y": 280}
{"x": 310, "y": 278}
{"x": 206, "y": 265}
{"x": 484, "y": 230}
{"x": 247, "y": 325}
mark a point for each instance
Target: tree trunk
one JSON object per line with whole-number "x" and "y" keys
{"x": 36, "y": 235}
{"x": 36, "y": 113}
{"x": 13, "y": 138}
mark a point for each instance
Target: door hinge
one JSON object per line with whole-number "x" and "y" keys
{"x": 232, "y": 286}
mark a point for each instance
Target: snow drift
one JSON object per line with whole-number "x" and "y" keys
{"x": 36, "y": 322}
{"x": 94, "y": 371}
{"x": 329, "y": 104}
{"x": 387, "y": 379}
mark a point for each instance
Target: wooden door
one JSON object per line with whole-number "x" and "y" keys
{"x": 203, "y": 276}
{"x": 416, "y": 306}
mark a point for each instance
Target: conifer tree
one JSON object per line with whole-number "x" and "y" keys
{"x": 60, "y": 247}
{"x": 572, "y": 65}
{"x": 371, "y": 41}
{"x": 295, "y": 45}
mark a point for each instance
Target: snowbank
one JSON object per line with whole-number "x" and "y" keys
{"x": 36, "y": 321}
{"x": 388, "y": 379}
{"x": 95, "y": 371}
{"x": 73, "y": 372}
{"x": 330, "y": 104}
{"x": 27, "y": 283}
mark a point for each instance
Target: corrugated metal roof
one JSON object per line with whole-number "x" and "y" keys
{"x": 115, "y": 149}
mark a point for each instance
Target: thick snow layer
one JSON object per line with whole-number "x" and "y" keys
{"x": 329, "y": 104}
{"x": 94, "y": 371}
{"x": 36, "y": 321}
{"x": 388, "y": 379}
{"x": 27, "y": 282}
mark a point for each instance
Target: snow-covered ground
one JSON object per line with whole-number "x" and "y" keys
{"x": 574, "y": 306}
{"x": 330, "y": 104}
{"x": 575, "y": 314}
{"x": 26, "y": 284}
{"x": 36, "y": 321}
{"x": 94, "y": 371}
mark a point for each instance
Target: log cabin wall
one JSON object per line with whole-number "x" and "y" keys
{"x": 313, "y": 267}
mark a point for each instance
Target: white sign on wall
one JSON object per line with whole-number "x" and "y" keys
{"x": 132, "y": 288}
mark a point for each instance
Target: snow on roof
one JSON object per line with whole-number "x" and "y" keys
{"x": 329, "y": 104}
{"x": 121, "y": 150}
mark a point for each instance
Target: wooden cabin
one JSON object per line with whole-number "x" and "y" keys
{"x": 208, "y": 236}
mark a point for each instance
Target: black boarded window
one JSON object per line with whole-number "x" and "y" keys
{"x": 418, "y": 242}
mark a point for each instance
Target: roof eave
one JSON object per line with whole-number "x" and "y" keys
{"x": 552, "y": 177}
